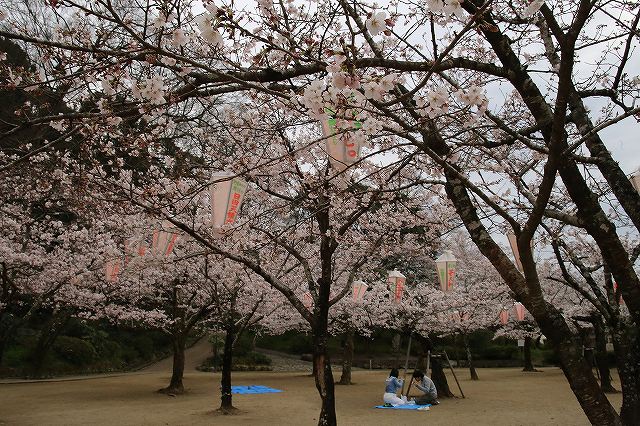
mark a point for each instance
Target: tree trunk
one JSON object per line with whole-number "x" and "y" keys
{"x": 226, "y": 402}
{"x": 602, "y": 360}
{"x": 324, "y": 379}
{"x": 439, "y": 378}
{"x": 46, "y": 338}
{"x": 627, "y": 347}
{"x": 347, "y": 358}
{"x": 472, "y": 369}
{"x": 395, "y": 348}
{"x": 175, "y": 385}
{"x": 528, "y": 363}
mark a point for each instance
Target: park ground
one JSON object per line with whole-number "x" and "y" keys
{"x": 503, "y": 396}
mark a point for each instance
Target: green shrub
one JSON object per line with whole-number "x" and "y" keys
{"x": 75, "y": 351}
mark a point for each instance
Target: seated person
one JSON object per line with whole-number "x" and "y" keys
{"x": 392, "y": 385}
{"x": 427, "y": 387}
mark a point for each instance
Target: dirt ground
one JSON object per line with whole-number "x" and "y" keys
{"x": 501, "y": 397}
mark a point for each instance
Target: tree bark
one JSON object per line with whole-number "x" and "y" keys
{"x": 439, "y": 378}
{"x": 602, "y": 360}
{"x": 226, "y": 401}
{"x": 627, "y": 349}
{"x": 324, "y": 379}
{"x": 395, "y": 348}
{"x": 46, "y": 338}
{"x": 528, "y": 363}
{"x": 177, "y": 373}
{"x": 472, "y": 369}
{"x": 347, "y": 358}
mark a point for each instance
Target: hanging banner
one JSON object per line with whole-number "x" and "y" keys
{"x": 163, "y": 240}
{"x": 396, "y": 285}
{"x": 133, "y": 248}
{"x": 112, "y": 269}
{"x": 635, "y": 180}
{"x": 446, "y": 265}
{"x": 504, "y": 316}
{"x": 520, "y": 311}
{"x": 617, "y": 295}
{"x": 226, "y": 198}
{"x": 342, "y": 147}
{"x": 307, "y": 301}
{"x": 513, "y": 242}
{"x": 359, "y": 289}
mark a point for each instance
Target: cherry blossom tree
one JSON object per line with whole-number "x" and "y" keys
{"x": 432, "y": 76}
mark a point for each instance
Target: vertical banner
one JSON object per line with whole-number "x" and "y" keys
{"x": 635, "y": 180}
{"x": 504, "y": 316}
{"x": 112, "y": 269}
{"x": 396, "y": 285}
{"x": 307, "y": 301}
{"x": 513, "y": 242}
{"x": 163, "y": 240}
{"x": 519, "y": 311}
{"x": 342, "y": 147}
{"x": 446, "y": 266}
{"x": 359, "y": 289}
{"x": 226, "y": 198}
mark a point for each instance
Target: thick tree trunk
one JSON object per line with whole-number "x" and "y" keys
{"x": 226, "y": 402}
{"x": 601, "y": 358}
{"x": 324, "y": 379}
{"x": 177, "y": 373}
{"x": 472, "y": 369}
{"x": 347, "y": 358}
{"x": 627, "y": 348}
{"x": 528, "y": 363}
{"x": 439, "y": 378}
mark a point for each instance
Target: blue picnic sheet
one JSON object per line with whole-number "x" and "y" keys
{"x": 405, "y": 407}
{"x": 253, "y": 389}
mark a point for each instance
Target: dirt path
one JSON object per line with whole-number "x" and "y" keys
{"x": 193, "y": 358}
{"x": 501, "y": 397}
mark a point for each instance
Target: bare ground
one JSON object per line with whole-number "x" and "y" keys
{"x": 501, "y": 397}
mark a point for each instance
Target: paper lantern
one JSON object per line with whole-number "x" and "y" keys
{"x": 520, "y": 343}
{"x": 343, "y": 147}
{"x": 635, "y": 180}
{"x": 396, "y": 284}
{"x": 446, "y": 266}
{"x": 163, "y": 240}
{"x": 226, "y": 198}
{"x": 112, "y": 269}
{"x": 359, "y": 289}
{"x": 504, "y": 316}
{"x": 519, "y": 311}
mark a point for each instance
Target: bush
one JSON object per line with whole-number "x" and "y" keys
{"x": 75, "y": 351}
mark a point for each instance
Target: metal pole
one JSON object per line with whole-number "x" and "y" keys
{"x": 454, "y": 374}
{"x": 406, "y": 364}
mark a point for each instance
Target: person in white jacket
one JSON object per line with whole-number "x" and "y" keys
{"x": 392, "y": 385}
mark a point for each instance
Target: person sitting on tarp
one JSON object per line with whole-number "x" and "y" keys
{"x": 392, "y": 386}
{"x": 427, "y": 387}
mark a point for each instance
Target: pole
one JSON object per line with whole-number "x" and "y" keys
{"x": 406, "y": 364}
{"x": 454, "y": 374}
{"x": 428, "y": 362}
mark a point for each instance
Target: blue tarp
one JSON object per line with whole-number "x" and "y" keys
{"x": 404, "y": 407}
{"x": 253, "y": 389}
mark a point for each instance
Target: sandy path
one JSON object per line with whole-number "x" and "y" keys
{"x": 193, "y": 358}
{"x": 501, "y": 397}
